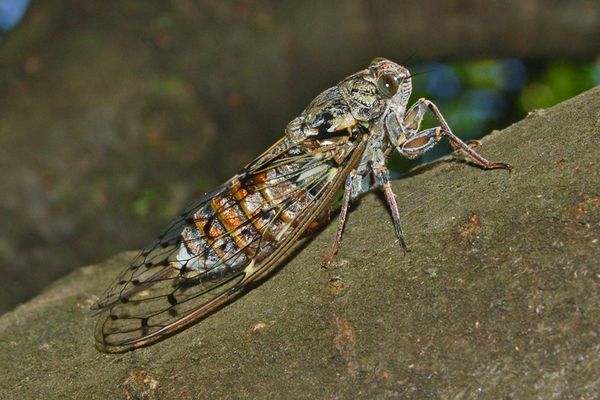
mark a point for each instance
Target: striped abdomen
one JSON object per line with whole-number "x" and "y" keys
{"x": 247, "y": 220}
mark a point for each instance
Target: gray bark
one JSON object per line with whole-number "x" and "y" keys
{"x": 499, "y": 297}
{"x": 110, "y": 106}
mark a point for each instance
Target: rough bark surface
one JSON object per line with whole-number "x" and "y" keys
{"x": 106, "y": 106}
{"x": 499, "y": 297}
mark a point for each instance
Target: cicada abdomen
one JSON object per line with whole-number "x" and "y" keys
{"x": 222, "y": 242}
{"x": 236, "y": 233}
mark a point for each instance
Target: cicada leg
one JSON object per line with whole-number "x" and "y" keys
{"x": 419, "y": 142}
{"x": 383, "y": 178}
{"x": 348, "y": 186}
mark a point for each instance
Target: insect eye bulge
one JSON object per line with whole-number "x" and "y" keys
{"x": 387, "y": 84}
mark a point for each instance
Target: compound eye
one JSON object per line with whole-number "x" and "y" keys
{"x": 387, "y": 84}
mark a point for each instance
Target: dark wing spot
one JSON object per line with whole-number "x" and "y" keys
{"x": 188, "y": 283}
{"x": 172, "y": 300}
{"x": 144, "y": 323}
{"x": 164, "y": 262}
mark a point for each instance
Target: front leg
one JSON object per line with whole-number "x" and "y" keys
{"x": 419, "y": 142}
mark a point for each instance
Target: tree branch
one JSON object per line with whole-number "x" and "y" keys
{"x": 498, "y": 299}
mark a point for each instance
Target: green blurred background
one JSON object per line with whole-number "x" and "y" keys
{"x": 114, "y": 115}
{"x": 482, "y": 95}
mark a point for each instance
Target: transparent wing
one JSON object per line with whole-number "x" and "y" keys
{"x": 205, "y": 256}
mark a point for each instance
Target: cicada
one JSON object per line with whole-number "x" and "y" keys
{"x": 225, "y": 240}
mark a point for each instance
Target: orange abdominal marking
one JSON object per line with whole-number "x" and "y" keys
{"x": 211, "y": 235}
{"x": 225, "y": 208}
